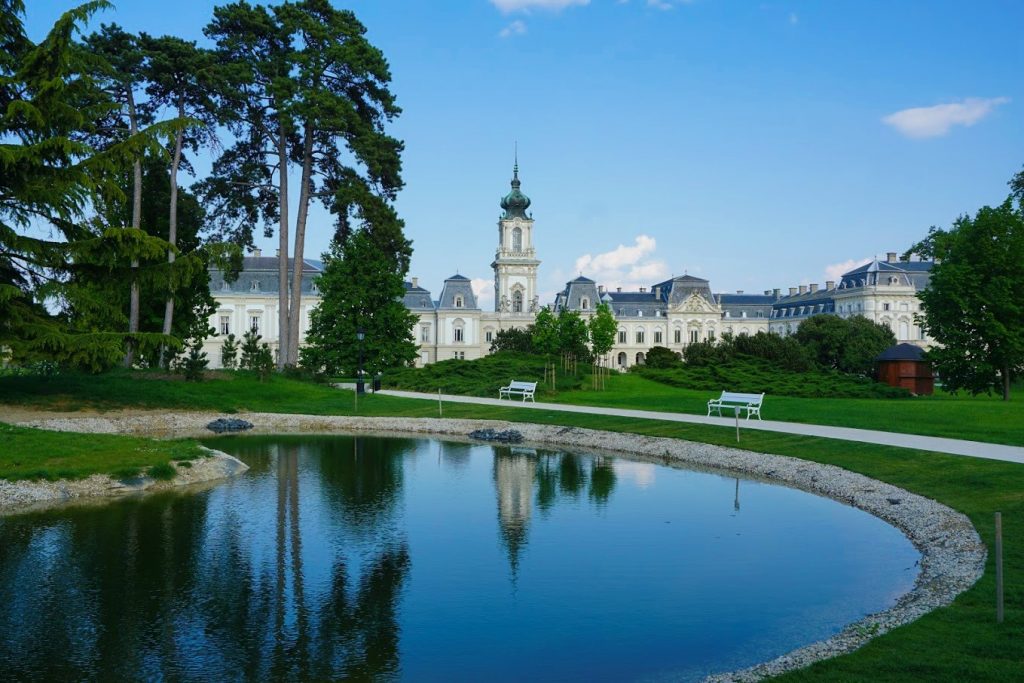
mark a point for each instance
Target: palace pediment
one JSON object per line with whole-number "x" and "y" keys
{"x": 695, "y": 303}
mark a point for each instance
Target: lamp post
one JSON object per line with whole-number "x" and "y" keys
{"x": 360, "y": 387}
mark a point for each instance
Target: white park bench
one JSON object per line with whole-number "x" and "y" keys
{"x": 524, "y": 389}
{"x": 737, "y": 402}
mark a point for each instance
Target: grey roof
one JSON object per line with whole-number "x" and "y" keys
{"x": 902, "y": 352}
{"x": 916, "y": 273}
{"x": 259, "y": 275}
{"x": 575, "y": 291}
{"x": 679, "y": 289}
{"x": 457, "y": 285}
{"x": 417, "y": 298}
{"x": 745, "y": 299}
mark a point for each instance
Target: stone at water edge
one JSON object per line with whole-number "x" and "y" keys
{"x": 225, "y": 424}
{"x": 507, "y": 436}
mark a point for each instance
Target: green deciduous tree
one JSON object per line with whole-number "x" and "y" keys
{"x": 304, "y": 90}
{"x": 973, "y": 305}
{"x": 573, "y": 336}
{"x": 361, "y": 288}
{"x": 845, "y": 344}
{"x": 513, "y": 339}
{"x": 603, "y": 328}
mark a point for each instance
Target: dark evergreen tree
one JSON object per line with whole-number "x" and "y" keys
{"x": 361, "y": 288}
{"x": 229, "y": 352}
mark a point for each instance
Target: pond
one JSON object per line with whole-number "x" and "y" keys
{"x": 340, "y": 557}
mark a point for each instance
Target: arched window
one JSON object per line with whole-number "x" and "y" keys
{"x": 517, "y": 239}
{"x": 640, "y": 359}
{"x": 584, "y": 303}
{"x": 622, "y": 336}
{"x": 458, "y": 302}
{"x": 458, "y": 331}
{"x": 904, "y": 330}
{"x": 622, "y": 359}
{"x": 517, "y": 301}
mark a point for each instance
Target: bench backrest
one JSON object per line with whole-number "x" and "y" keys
{"x": 532, "y": 386}
{"x": 734, "y": 397}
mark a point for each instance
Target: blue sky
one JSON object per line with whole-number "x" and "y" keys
{"x": 756, "y": 144}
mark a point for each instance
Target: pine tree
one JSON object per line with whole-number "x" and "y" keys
{"x": 250, "y": 350}
{"x": 229, "y": 352}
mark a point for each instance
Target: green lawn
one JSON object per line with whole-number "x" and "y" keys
{"x": 39, "y": 454}
{"x": 957, "y": 643}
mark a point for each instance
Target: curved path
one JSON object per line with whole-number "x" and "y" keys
{"x": 973, "y": 449}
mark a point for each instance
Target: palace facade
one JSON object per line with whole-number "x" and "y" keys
{"x": 674, "y": 313}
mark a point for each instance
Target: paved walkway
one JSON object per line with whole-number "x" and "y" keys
{"x": 973, "y": 449}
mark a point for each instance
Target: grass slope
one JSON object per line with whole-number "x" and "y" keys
{"x": 957, "y": 643}
{"x": 39, "y": 454}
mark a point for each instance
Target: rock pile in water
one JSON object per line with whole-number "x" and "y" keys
{"x": 228, "y": 424}
{"x": 507, "y": 436}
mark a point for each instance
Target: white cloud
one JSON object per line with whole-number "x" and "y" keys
{"x": 659, "y": 4}
{"x": 836, "y": 270}
{"x": 484, "y": 291}
{"x": 508, "y": 6}
{"x": 936, "y": 121}
{"x": 628, "y": 267}
{"x": 516, "y": 28}
{"x": 642, "y": 473}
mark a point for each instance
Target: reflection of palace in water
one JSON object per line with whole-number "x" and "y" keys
{"x": 514, "y": 471}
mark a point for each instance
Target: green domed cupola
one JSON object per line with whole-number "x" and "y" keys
{"x": 515, "y": 203}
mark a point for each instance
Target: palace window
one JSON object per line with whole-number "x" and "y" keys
{"x": 425, "y": 333}
{"x": 225, "y": 324}
{"x": 584, "y": 303}
{"x": 459, "y": 355}
{"x": 489, "y": 336}
{"x": 517, "y": 239}
{"x": 885, "y": 307}
{"x": 639, "y": 336}
{"x": 622, "y": 336}
{"x": 711, "y": 335}
{"x": 458, "y": 302}
{"x": 679, "y": 337}
{"x": 458, "y": 334}
{"x": 694, "y": 336}
{"x": 254, "y": 323}
{"x": 517, "y": 301}
{"x": 657, "y": 336}
{"x": 254, "y": 286}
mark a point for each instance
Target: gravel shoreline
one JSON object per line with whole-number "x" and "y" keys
{"x": 952, "y": 554}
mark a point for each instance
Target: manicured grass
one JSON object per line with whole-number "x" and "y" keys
{"x": 958, "y": 643}
{"x": 39, "y": 454}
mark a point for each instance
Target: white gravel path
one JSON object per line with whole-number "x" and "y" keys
{"x": 952, "y": 554}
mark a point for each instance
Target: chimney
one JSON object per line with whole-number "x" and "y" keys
{"x": 618, "y": 289}
{"x": 600, "y": 289}
{"x": 415, "y": 282}
{"x": 830, "y": 284}
{"x": 814, "y": 287}
{"x": 277, "y": 253}
{"x": 256, "y": 252}
{"x": 767, "y": 292}
{"x": 792, "y": 291}
{"x": 643, "y": 289}
{"x": 803, "y": 289}
{"x": 890, "y": 257}
{"x": 657, "y": 292}
{"x": 776, "y": 292}
{"x": 739, "y": 291}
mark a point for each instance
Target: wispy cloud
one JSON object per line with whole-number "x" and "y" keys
{"x": 938, "y": 120}
{"x": 794, "y": 19}
{"x": 667, "y": 4}
{"x": 484, "y": 291}
{"x": 836, "y": 270}
{"x": 516, "y": 28}
{"x": 508, "y": 6}
{"x": 625, "y": 266}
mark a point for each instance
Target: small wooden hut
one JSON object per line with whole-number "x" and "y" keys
{"x": 903, "y": 365}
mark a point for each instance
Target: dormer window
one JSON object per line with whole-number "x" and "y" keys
{"x": 584, "y": 303}
{"x": 458, "y": 302}
{"x": 254, "y": 286}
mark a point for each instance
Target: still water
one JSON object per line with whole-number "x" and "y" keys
{"x": 413, "y": 559}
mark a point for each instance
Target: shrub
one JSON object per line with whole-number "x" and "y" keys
{"x": 661, "y": 357}
{"x": 162, "y": 472}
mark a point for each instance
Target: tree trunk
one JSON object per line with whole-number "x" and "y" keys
{"x": 300, "y": 243}
{"x": 283, "y": 319}
{"x": 133, "y": 305}
{"x": 172, "y": 223}
{"x": 1006, "y": 381}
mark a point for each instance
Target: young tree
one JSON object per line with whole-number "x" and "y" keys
{"x": 545, "y": 341}
{"x": 361, "y": 288}
{"x": 304, "y": 90}
{"x": 603, "y": 328}
{"x": 972, "y": 305}
{"x": 250, "y": 350}
{"x": 229, "y": 352}
{"x": 573, "y": 336}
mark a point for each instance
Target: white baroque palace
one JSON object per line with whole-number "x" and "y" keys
{"x": 679, "y": 311}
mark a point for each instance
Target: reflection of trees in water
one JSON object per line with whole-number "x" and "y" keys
{"x": 174, "y": 587}
{"x": 522, "y": 475}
